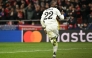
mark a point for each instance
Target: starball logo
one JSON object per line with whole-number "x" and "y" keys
{"x": 74, "y": 36}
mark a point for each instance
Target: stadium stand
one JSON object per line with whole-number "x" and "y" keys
{"x": 78, "y": 13}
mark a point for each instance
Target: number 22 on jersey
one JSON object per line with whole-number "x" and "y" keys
{"x": 48, "y": 15}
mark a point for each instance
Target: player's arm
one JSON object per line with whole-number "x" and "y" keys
{"x": 42, "y": 20}
{"x": 61, "y": 16}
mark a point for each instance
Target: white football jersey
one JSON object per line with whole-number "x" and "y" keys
{"x": 49, "y": 17}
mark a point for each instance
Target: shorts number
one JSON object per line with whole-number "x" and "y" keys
{"x": 48, "y": 15}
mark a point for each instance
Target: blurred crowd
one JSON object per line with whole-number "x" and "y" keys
{"x": 78, "y": 13}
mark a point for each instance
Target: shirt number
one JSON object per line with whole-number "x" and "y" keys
{"x": 48, "y": 15}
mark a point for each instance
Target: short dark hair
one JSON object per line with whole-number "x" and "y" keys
{"x": 51, "y": 3}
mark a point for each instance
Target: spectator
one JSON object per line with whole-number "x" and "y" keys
{"x": 37, "y": 12}
{"x": 63, "y": 12}
{"x": 2, "y": 14}
{"x": 61, "y": 8}
{"x": 14, "y": 5}
{"x": 7, "y": 12}
{"x": 85, "y": 26}
{"x": 90, "y": 26}
{"x": 17, "y": 6}
{"x": 70, "y": 11}
{"x": 76, "y": 2}
{"x": 89, "y": 18}
{"x": 67, "y": 3}
{"x": 42, "y": 9}
{"x": 21, "y": 22}
{"x": 89, "y": 8}
{"x": 72, "y": 22}
{"x": 18, "y": 2}
{"x": 11, "y": 2}
{"x": 84, "y": 12}
{"x": 78, "y": 11}
{"x": 27, "y": 2}
{"x": 42, "y": 4}
{"x": 20, "y": 14}
{"x": 23, "y": 3}
{"x": 29, "y": 11}
{"x": 22, "y": 7}
{"x": 12, "y": 14}
{"x": 83, "y": 1}
{"x": 9, "y": 23}
{"x": 47, "y": 5}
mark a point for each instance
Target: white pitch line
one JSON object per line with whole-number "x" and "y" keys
{"x": 41, "y": 50}
{"x": 24, "y": 51}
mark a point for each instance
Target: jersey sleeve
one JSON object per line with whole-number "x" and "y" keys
{"x": 61, "y": 16}
{"x": 42, "y": 20}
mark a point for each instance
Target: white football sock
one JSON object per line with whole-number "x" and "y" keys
{"x": 55, "y": 49}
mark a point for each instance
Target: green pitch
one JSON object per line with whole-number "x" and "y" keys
{"x": 44, "y": 50}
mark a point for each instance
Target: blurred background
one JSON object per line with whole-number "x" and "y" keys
{"x": 78, "y": 13}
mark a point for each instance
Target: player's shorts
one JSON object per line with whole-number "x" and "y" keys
{"x": 52, "y": 31}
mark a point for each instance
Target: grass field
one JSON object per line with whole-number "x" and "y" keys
{"x": 44, "y": 50}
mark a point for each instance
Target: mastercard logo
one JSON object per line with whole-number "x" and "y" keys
{"x": 32, "y": 36}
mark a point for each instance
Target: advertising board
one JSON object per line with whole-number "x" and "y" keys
{"x": 8, "y": 27}
{"x": 10, "y": 36}
{"x": 64, "y": 36}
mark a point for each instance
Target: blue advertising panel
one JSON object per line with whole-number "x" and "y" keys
{"x": 9, "y": 27}
{"x": 10, "y": 36}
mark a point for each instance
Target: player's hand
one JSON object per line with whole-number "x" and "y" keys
{"x": 45, "y": 31}
{"x": 44, "y": 28}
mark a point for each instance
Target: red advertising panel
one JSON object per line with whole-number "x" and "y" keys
{"x": 63, "y": 27}
{"x": 29, "y": 27}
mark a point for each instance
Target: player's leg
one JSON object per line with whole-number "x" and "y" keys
{"x": 55, "y": 45}
{"x": 52, "y": 32}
